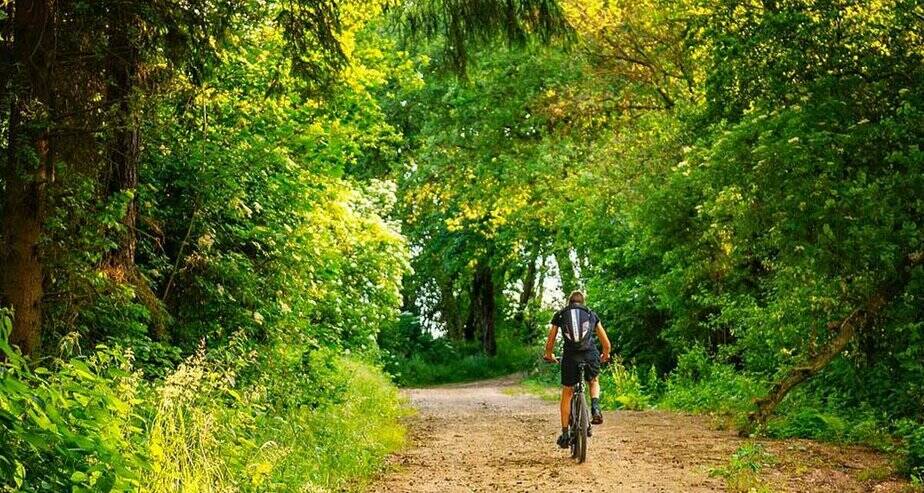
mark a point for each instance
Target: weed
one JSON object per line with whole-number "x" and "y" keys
{"x": 742, "y": 474}
{"x": 878, "y": 473}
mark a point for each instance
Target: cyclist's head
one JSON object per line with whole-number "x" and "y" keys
{"x": 576, "y": 297}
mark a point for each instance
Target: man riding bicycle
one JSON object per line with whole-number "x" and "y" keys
{"x": 579, "y": 326}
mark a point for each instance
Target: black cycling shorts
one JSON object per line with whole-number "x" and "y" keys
{"x": 569, "y": 366}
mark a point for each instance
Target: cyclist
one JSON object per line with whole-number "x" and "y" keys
{"x": 579, "y": 326}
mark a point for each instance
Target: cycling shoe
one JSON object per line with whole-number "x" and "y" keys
{"x": 564, "y": 441}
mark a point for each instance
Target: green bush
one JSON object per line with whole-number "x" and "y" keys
{"x": 338, "y": 444}
{"x": 914, "y": 449}
{"x": 742, "y": 474}
{"x": 210, "y": 435}
{"x": 72, "y": 427}
{"x": 701, "y": 384}
{"x": 621, "y": 388}
{"x": 808, "y": 422}
{"x": 414, "y": 357}
{"x": 301, "y": 421}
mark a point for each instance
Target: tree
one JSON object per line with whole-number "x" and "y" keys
{"x": 29, "y": 160}
{"x": 75, "y": 117}
{"x": 462, "y": 24}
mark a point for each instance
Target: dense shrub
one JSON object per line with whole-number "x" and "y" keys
{"x": 621, "y": 388}
{"x": 92, "y": 424}
{"x": 699, "y": 383}
{"x": 72, "y": 426}
{"x": 913, "y": 435}
{"x": 215, "y": 435}
{"x": 414, "y": 357}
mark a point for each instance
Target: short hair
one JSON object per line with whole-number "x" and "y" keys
{"x": 576, "y": 297}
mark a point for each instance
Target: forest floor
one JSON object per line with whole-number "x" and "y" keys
{"x": 491, "y": 436}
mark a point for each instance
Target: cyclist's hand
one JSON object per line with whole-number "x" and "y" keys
{"x": 550, "y": 358}
{"x": 605, "y": 358}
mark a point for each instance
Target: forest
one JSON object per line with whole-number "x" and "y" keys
{"x": 230, "y": 231}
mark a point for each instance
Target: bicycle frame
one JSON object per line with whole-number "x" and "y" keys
{"x": 579, "y": 386}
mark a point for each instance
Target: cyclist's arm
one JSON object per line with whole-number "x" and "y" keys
{"x": 604, "y": 341}
{"x": 550, "y": 342}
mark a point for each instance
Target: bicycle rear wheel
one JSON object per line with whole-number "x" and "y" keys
{"x": 580, "y": 423}
{"x": 572, "y": 425}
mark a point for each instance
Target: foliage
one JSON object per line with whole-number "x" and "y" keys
{"x": 265, "y": 256}
{"x": 208, "y": 434}
{"x": 481, "y": 21}
{"x": 75, "y": 427}
{"x": 224, "y": 199}
{"x": 913, "y": 437}
{"x": 621, "y": 388}
{"x": 701, "y": 384}
{"x": 742, "y": 472}
{"x": 91, "y": 425}
{"x": 416, "y": 358}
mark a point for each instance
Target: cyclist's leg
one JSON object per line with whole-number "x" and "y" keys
{"x": 564, "y": 440}
{"x": 593, "y": 372}
{"x": 595, "y": 388}
{"x": 565, "y": 404}
{"x": 569, "y": 378}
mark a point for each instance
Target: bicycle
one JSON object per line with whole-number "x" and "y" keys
{"x": 579, "y": 420}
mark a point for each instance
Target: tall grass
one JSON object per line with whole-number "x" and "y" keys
{"x": 209, "y": 436}
{"x": 185, "y": 438}
{"x": 339, "y": 445}
{"x": 255, "y": 419}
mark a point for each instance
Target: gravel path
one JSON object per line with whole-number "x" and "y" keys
{"x": 485, "y": 436}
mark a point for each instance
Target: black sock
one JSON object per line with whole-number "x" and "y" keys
{"x": 564, "y": 429}
{"x": 595, "y": 402}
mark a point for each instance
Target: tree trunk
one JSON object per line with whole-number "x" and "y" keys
{"x": 449, "y": 310}
{"x": 6, "y": 64}
{"x": 123, "y": 64}
{"x": 469, "y": 328}
{"x": 485, "y": 307}
{"x": 29, "y": 154}
{"x": 124, "y": 148}
{"x": 844, "y": 331}
{"x": 566, "y": 271}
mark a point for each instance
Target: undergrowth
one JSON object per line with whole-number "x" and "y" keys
{"x": 415, "y": 358}
{"x": 306, "y": 421}
{"x": 742, "y": 473}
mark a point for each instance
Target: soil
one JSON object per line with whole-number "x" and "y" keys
{"x": 490, "y": 436}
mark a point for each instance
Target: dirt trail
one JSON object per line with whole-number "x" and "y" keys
{"x": 482, "y": 436}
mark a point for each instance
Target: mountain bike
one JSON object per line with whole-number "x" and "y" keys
{"x": 579, "y": 421}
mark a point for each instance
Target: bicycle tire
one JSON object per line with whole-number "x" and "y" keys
{"x": 583, "y": 425}
{"x": 575, "y": 410}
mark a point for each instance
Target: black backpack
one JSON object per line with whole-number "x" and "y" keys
{"x": 577, "y": 326}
